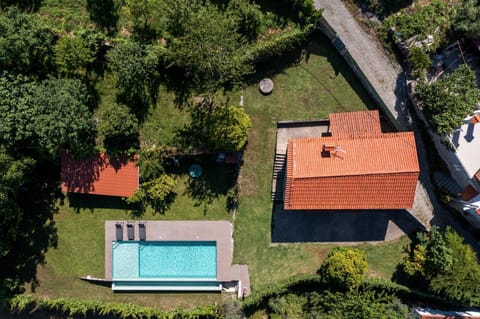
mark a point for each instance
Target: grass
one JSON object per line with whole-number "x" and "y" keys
{"x": 304, "y": 91}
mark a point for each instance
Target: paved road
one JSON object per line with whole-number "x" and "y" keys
{"x": 386, "y": 77}
{"x": 388, "y": 80}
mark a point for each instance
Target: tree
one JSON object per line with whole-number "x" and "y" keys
{"x": 218, "y": 127}
{"x": 420, "y": 62}
{"x": 247, "y": 18}
{"x": 73, "y": 56}
{"x": 344, "y": 268}
{"x": 438, "y": 254}
{"x": 135, "y": 69}
{"x": 158, "y": 193}
{"x": 118, "y": 126}
{"x": 28, "y": 194}
{"x": 449, "y": 100}
{"x": 17, "y": 109}
{"x": 62, "y": 117}
{"x": 104, "y": 13}
{"x": 25, "y": 5}
{"x": 208, "y": 52}
{"x": 26, "y": 45}
{"x": 467, "y": 18}
{"x": 227, "y": 128}
{"x": 151, "y": 162}
{"x": 460, "y": 281}
{"x": 143, "y": 15}
{"x": 13, "y": 176}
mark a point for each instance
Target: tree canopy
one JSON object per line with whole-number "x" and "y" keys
{"x": 467, "y": 18}
{"x": 118, "y": 126}
{"x": 216, "y": 127}
{"x": 135, "y": 69}
{"x": 46, "y": 116}
{"x": 446, "y": 265}
{"x": 26, "y": 45}
{"x": 208, "y": 52}
{"x": 73, "y": 55}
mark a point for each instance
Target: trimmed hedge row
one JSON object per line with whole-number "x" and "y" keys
{"x": 403, "y": 292}
{"x": 307, "y": 283}
{"x": 277, "y": 44}
{"x": 260, "y": 298}
{"x": 76, "y": 307}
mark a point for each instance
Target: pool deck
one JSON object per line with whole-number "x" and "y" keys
{"x": 218, "y": 231}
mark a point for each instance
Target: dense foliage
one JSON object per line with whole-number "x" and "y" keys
{"x": 467, "y": 18}
{"x": 344, "y": 268}
{"x": 45, "y": 117}
{"x": 135, "y": 68}
{"x": 449, "y": 100}
{"x": 74, "y": 307}
{"x": 74, "y": 56}
{"x": 309, "y": 298}
{"x": 383, "y": 8}
{"x": 432, "y": 19}
{"x": 447, "y": 266}
{"x": 216, "y": 127}
{"x": 118, "y": 126}
{"x": 208, "y": 51}
{"x": 26, "y": 45}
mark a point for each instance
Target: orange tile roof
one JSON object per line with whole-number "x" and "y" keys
{"x": 477, "y": 176}
{"x": 468, "y": 193}
{"x": 386, "y": 153}
{"x": 99, "y": 175}
{"x": 355, "y": 123}
{"x": 357, "y": 171}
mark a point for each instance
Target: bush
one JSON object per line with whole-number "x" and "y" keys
{"x": 277, "y": 44}
{"x": 420, "y": 62}
{"x": 344, "y": 268}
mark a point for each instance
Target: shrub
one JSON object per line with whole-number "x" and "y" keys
{"x": 344, "y": 268}
{"x": 75, "y": 307}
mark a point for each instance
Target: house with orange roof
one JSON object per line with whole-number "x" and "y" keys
{"x": 100, "y": 175}
{"x": 354, "y": 166}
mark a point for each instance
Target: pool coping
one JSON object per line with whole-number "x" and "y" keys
{"x": 218, "y": 231}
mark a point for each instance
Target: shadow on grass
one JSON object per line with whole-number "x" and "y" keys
{"x": 91, "y": 202}
{"x": 216, "y": 179}
{"x": 320, "y": 45}
{"x": 338, "y": 226}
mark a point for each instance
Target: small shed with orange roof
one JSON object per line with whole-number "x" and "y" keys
{"x": 100, "y": 175}
{"x": 357, "y": 167}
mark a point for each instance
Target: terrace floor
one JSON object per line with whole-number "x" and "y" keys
{"x": 218, "y": 231}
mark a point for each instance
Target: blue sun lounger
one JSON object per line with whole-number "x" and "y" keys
{"x": 142, "y": 231}
{"x": 130, "y": 232}
{"x": 119, "y": 232}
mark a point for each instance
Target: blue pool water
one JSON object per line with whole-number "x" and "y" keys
{"x": 164, "y": 259}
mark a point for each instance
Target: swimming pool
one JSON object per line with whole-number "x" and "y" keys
{"x": 164, "y": 260}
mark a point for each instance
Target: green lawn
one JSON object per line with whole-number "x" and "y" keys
{"x": 304, "y": 91}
